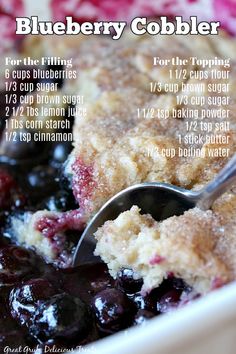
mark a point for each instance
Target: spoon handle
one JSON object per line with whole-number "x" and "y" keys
{"x": 222, "y": 182}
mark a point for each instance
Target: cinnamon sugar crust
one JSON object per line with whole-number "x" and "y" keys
{"x": 115, "y": 146}
{"x": 121, "y": 146}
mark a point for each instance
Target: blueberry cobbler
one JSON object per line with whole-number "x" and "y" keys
{"x": 50, "y": 190}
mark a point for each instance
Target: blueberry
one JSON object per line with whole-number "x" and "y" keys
{"x": 163, "y": 298}
{"x": 169, "y": 301}
{"x": 15, "y": 263}
{"x": 167, "y": 285}
{"x": 24, "y": 299}
{"x": 60, "y": 152}
{"x": 61, "y": 201}
{"x": 180, "y": 284}
{"x": 143, "y": 316}
{"x": 144, "y": 302}
{"x": 18, "y": 200}
{"x": 64, "y": 181}
{"x": 127, "y": 282}
{"x": 40, "y": 176}
{"x": 42, "y": 181}
{"x": 62, "y": 316}
{"x": 113, "y": 310}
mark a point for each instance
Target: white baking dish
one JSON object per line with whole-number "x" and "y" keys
{"x": 207, "y": 326}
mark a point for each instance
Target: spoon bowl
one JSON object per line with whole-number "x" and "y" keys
{"x": 161, "y": 200}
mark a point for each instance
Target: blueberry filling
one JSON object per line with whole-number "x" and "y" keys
{"x": 46, "y": 305}
{"x": 70, "y": 307}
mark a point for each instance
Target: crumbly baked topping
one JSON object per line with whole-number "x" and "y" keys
{"x": 195, "y": 246}
{"x": 26, "y": 233}
{"x": 117, "y": 146}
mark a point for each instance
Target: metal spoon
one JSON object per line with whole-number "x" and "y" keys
{"x": 161, "y": 200}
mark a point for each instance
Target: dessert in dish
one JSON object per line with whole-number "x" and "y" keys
{"x": 115, "y": 145}
{"x": 46, "y": 202}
